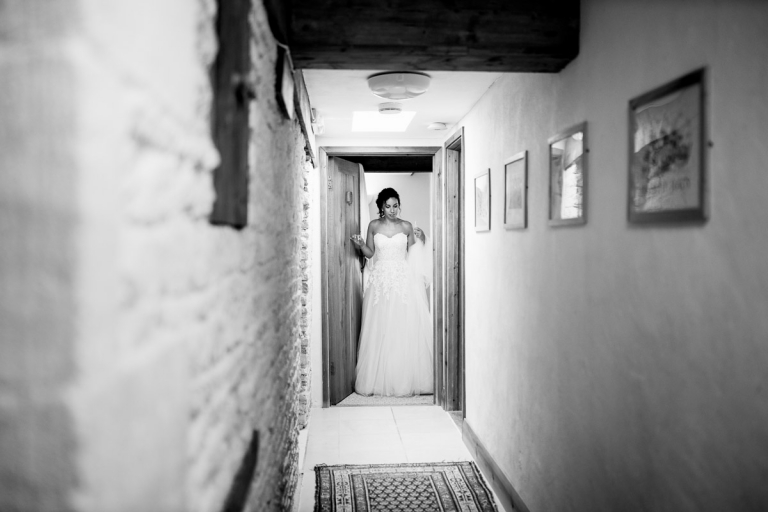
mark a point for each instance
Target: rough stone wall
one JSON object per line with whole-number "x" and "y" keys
{"x": 176, "y": 339}
{"x": 305, "y": 367}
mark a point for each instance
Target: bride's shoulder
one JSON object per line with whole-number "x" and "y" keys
{"x": 407, "y": 226}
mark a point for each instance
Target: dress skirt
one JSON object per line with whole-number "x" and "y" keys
{"x": 395, "y": 354}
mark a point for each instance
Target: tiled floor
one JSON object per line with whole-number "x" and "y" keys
{"x": 377, "y": 435}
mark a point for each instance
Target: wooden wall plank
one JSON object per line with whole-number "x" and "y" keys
{"x": 304, "y": 116}
{"x": 231, "y": 99}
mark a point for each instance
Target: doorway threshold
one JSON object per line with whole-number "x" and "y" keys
{"x": 356, "y": 400}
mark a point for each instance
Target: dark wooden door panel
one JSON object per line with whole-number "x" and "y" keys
{"x": 344, "y": 276}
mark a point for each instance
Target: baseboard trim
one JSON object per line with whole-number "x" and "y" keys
{"x": 507, "y": 494}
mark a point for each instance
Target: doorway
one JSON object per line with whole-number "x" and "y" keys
{"x": 445, "y": 214}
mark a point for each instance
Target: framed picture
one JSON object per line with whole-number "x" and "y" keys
{"x": 666, "y": 152}
{"x": 285, "y": 85}
{"x": 568, "y": 177}
{"x": 516, "y": 191}
{"x": 483, "y": 201}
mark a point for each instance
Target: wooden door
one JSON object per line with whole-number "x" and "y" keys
{"x": 344, "y": 276}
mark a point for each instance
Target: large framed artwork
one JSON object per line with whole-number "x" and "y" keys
{"x": 483, "y": 201}
{"x": 666, "y": 152}
{"x": 515, "y": 191}
{"x": 568, "y": 177}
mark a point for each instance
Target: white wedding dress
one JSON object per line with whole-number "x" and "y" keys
{"x": 395, "y": 357}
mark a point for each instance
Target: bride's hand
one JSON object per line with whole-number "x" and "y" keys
{"x": 357, "y": 240}
{"x": 418, "y": 233}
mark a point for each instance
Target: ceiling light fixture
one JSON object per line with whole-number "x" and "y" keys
{"x": 390, "y": 108}
{"x": 398, "y": 85}
{"x": 437, "y": 126}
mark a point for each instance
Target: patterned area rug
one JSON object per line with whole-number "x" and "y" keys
{"x": 355, "y": 400}
{"x": 426, "y": 487}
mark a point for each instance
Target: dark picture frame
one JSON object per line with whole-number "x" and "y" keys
{"x": 516, "y": 191}
{"x": 483, "y": 201}
{"x": 666, "y": 181}
{"x": 568, "y": 171}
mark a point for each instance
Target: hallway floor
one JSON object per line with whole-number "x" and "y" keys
{"x": 378, "y": 435}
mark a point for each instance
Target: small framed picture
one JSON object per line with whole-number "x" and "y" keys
{"x": 568, "y": 177}
{"x": 666, "y": 152}
{"x": 516, "y": 191}
{"x": 483, "y": 201}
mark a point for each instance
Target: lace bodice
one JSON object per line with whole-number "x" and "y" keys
{"x": 390, "y": 248}
{"x": 390, "y": 272}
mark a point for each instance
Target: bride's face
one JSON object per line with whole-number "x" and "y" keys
{"x": 392, "y": 208}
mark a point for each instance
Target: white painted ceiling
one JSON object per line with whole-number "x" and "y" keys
{"x": 336, "y": 94}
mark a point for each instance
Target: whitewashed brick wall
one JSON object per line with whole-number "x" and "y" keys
{"x": 170, "y": 340}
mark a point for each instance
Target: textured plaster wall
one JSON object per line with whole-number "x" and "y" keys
{"x": 611, "y": 366}
{"x": 141, "y": 346}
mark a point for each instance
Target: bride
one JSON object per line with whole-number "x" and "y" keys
{"x": 395, "y": 356}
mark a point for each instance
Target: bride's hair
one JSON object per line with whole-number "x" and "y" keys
{"x": 384, "y": 196}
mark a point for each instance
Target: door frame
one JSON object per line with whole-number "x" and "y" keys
{"x": 342, "y": 151}
{"x": 453, "y": 397}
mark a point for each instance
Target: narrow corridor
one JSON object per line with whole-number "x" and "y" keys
{"x": 175, "y": 269}
{"x": 377, "y": 435}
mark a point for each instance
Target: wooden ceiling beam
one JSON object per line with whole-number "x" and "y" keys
{"x": 451, "y": 35}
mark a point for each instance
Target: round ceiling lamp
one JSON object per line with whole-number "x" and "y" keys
{"x": 398, "y": 85}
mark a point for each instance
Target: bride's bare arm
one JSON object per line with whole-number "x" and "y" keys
{"x": 366, "y": 246}
{"x": 369, "y": 241}
{"x": 409, "y": 232}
